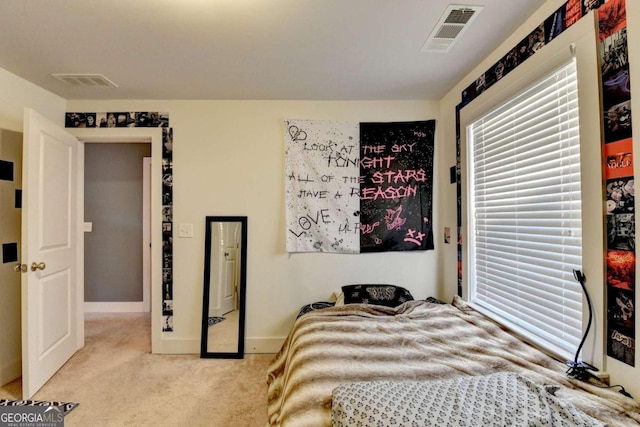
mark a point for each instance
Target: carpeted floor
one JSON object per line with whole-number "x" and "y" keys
{"x": 117, "y": 382}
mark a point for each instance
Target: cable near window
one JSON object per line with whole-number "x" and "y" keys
{"x": 525, "y": 213}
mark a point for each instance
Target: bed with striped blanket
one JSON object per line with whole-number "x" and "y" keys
{"x": 416, "y": 341}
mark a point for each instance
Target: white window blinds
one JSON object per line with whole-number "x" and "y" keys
{"x": 525, "y": 212}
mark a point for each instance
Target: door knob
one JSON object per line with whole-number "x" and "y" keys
{"x": 38, "y": 266}
{"x": 20, "y": 268}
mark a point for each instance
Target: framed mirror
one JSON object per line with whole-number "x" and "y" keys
{"x": 223, "y": 303}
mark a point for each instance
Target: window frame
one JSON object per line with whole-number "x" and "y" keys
{"x": 512, "y": 310}
{"x": 581, "y": 40}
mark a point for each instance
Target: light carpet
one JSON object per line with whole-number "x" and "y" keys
{"x": 117, "y": 382}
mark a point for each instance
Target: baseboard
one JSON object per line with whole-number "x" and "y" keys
{"x": 10, "y": 372}
{"x": 178, "y": 346}
{"x": 115, "y": 307}
{"x": 192, "y": 346}
{"x": 263, "y": 345}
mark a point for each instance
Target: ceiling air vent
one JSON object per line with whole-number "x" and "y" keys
{"x": 453, "y": 22}
{"x": 85, "y": 80}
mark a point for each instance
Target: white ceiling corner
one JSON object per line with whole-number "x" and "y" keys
{"x": 249, "y": 49}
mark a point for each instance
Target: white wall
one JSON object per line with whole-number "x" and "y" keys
{"x": 446, "y": 157}
{"x": 18, "y": 93}
{"x": 229, "y": 160}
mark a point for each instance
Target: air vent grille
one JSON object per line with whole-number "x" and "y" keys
{"x": 448, "y": 31}
{"x": 462, "y": 15}
{"x": 85, "y": 80}
{"x": 453, "y": 22}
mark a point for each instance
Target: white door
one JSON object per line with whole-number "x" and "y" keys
{"x": 49, "y": 250}
{"x": 228, "y": 274}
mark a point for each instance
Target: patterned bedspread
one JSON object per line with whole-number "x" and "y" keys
{"x": 500, "y": 399}
{"x": 417, "y": 341}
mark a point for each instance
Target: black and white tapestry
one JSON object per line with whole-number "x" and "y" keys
{"x": 322, "y": 186}
{"x": 396, "y": 171}
{"x": 359, "y": 187}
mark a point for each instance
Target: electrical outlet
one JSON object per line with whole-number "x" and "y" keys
{"x": 185, "y": 230}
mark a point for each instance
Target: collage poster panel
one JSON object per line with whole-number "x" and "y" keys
{"x": 167, "y": 230}
{"x": 396, "y": 170}
{"x": 573, "y": 12}
{"x": 616, "y": 88}
{"x": 459, "y": 200}
{"x": 322, "y": 186}
{"x": 620, "y": 305}
{"x": 619, "y": 179}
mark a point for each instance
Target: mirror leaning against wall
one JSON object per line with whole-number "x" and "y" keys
{"x": 223, "y": 304}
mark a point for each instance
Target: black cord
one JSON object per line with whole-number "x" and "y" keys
{"x": 580, "y": 278}
{"x": 578, "y": 369}
{"x": 621, "y": 391}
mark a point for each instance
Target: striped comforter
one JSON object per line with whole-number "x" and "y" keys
{"x": 415, "y": 341}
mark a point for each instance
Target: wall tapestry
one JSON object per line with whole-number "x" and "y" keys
{"x": 146, "y": 119}
{"x": 617, "y": 154}
{"x": 358, "y": 187}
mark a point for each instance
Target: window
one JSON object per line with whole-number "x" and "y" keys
{"x": 525, "y": 232}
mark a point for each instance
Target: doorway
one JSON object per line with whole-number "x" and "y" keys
{"x": 116, "y": 223}
{"x": 75, "y": 178}
{"x": 11, "y": 146}
{"x": 152, "y": 136}
{"x": 10, "y": 239}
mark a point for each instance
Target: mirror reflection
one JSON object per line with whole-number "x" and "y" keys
{"x": 224, "y": 287}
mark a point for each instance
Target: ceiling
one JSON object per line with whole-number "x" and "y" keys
{"x": 248, "y": 49}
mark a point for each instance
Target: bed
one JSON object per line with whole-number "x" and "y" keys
{"x": 400, "y": 358}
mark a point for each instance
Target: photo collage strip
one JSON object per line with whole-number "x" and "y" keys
{"x": 619, "y": 181}
{"x": 146, "y": 119}
{"x": 618, "y": 155}
{"x": 459, "y": 199}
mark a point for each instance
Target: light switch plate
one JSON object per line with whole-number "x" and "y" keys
{"x": 185, "y": 230}
{"x": 88, "y": 227}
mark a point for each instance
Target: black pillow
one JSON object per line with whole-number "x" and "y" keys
{"x": 314, "y": 306}
{"x": 388, "y": 295}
